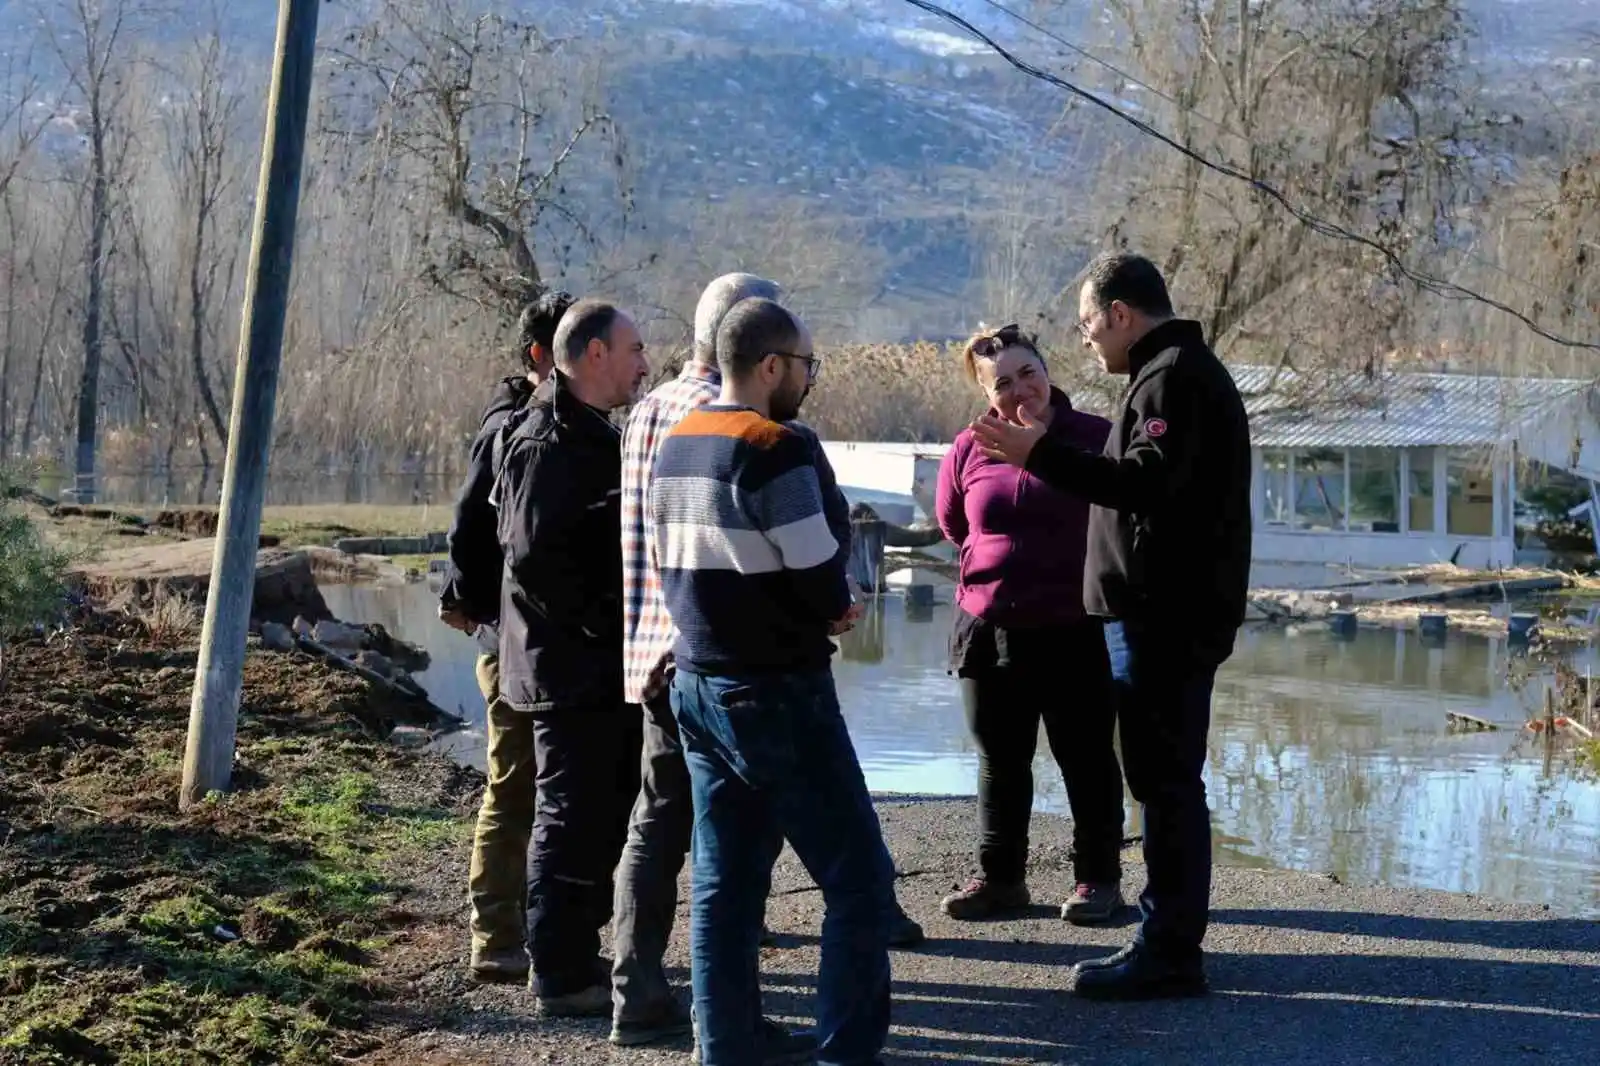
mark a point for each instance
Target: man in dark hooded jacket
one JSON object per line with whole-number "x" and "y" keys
{"x": 470, "y": 602}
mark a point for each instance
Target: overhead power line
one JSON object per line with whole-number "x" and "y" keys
{"x": 1184, "y": 109}
{"x": 1439, "y": 286}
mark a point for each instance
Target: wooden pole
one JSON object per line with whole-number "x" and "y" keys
{"x": 219, "y": 675}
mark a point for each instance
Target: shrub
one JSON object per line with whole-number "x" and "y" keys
{"x": 32, "y": 571}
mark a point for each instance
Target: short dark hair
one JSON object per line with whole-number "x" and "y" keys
{"x": 585, "y": 321}
{"x": 752, "y": 330}
{"x": 1133, "y": 279}
{"x": 538, "y": 321}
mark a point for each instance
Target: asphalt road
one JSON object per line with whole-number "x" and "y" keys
{"x": 1303, "y": 970}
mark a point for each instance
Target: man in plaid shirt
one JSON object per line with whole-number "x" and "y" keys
{"x": 645, "y": 1010}
{"x": 663, "y": 816}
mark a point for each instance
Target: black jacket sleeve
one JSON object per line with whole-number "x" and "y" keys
{"x": 540, "y": 527}
{"x": 472, "y": 583}
{"x": 1154, "y": 466}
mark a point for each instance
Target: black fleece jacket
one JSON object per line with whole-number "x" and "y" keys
{"x": 1170, "y": 530}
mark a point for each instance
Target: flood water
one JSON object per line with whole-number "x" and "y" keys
{"x": 1327, "y": 756}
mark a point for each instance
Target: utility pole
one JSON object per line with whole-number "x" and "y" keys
{"x": 214, "y": 710}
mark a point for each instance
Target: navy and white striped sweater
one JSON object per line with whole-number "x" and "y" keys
{"x": 751, "y": 570}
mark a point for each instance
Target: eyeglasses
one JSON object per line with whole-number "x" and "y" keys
{"x": 1005, "y": 337}
{"x": 813, "y": 364}
{"x": 1084, "y": 324}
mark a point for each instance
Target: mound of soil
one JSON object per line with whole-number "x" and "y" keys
{"x": 285, "y": 583}
{"x": 227, "y": 932}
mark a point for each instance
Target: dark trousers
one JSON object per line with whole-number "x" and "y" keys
{"x": 647, "y": 877}
{"x": 1164, "y": 706}
{"x": 587, "y": 775}
{"x": 1060, "y": 675}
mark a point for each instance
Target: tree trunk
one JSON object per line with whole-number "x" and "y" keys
{"x": 197, "y": 325}
{"x": 89, "y": 383}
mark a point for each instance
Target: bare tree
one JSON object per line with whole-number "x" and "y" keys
{"x": 1540, "y": 251}
{"x": 1350, "y": 107}
{"x": 20, "y": 127}
{"x": 22, "y": 122}
{"x": 90, "y": 46}
{"x": 499, "y": 123}
{"x": 202, "y": 135}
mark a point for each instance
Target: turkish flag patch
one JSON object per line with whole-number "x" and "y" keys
{"x": 1155, "y": 427}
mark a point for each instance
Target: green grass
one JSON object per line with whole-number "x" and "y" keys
{"x": 293, "y": 526}
{"x": 418, "y": 563}
{"x": 181, "y": 916}
{"x": 262, "y": 956}
{"x": 296, "y": 526}
{"x": 349, "y": 808}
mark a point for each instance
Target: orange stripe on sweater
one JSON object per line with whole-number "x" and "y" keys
{"x": 748, "y": 426}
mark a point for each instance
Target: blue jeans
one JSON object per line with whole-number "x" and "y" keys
{"x": 769, "y": 758}
{"x": 1163, "y": 692}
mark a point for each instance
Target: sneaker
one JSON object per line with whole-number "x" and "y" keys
{"x": 984, "y": 899}
{"x": 904, "y": 932}
{"x": 779, "y": 1046}
{"x": 591, "y": 1002}
{"x": 508, "y": 966}
{"x": 1093, "y": 904}
{"x": 666, "y": 1021}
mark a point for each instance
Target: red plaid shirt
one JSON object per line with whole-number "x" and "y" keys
{"x": 647, "y": 631}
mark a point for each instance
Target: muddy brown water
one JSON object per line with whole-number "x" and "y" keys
{"x": 1327, "y": 756}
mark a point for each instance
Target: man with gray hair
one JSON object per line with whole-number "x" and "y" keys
{"x": 645, "y": 1010}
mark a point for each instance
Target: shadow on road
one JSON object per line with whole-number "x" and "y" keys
{"x": 1266, "y": 1008}
{"x": 1555, "y": 934}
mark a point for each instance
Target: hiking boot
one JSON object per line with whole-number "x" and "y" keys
{"x": 508, "y": 966}
{"x": 1135, "y": 973}
{"x": 591, "y": 1002}
{"x": 984, "y": 899}
{"x": 904, "y": 932}
{"x": 664, "y": 1022}
{"x": 1105, "y": 962}
{"x": 779, "y": 1047}
{"x": 1093, "y": 904}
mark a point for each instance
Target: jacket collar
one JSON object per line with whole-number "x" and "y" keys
{"x": 693, "y": 370}
{"x": 569, "y": 411}
{"x": 1173, "y": 333}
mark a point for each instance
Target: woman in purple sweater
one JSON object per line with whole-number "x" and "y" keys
{"x": 1023, "y": 647}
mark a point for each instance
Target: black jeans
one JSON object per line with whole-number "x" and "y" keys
{"x": 1010, "y": 681}
{"x": 587, "y": 778}
{"x": 1164, "y": 703}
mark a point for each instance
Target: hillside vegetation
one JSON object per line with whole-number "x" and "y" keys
{"x": 901, "y": 180}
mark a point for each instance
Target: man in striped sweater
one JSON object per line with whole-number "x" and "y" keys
{"x": 754, "y": 580}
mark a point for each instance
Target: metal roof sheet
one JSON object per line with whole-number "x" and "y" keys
{"x": 1404, "y": 410}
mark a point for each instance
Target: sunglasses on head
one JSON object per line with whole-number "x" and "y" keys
{"x": 989, "y": 346}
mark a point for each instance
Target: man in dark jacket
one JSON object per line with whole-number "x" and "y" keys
{"x": 1168, "y": 565}
{"x": 559, "y": 493}
{"x": 470, "y": 601}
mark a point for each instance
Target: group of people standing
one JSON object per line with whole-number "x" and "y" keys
{"x": 657, "y": 608}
